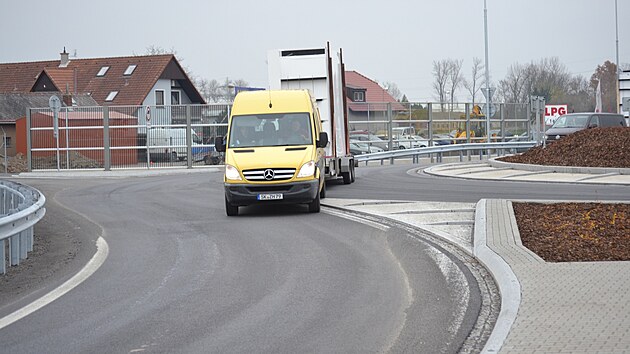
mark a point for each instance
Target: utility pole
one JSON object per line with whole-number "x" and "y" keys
{"x": 617, "y": 54}
{"x": 488, "y": 98}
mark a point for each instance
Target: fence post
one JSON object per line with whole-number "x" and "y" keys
{"x": 390, "y": 118}
{"x": 107, "y": 158}
{"x": 29, "y": 156}
{"x": 189, "y": 157}
{"x": 430, "y": 127}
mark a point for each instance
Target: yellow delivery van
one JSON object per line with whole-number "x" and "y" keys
{"x": 274, "y": 151}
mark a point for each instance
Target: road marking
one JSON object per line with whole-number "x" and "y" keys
{"x": 357, "y": 219}
{"x": 97, "y": 260}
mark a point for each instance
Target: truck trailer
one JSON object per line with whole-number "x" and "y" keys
{"x": 322, "y": 74}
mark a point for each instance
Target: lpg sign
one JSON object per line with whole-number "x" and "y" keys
{"x": 553, "y": 111}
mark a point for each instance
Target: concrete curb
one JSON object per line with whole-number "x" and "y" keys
{"x": 558, "y": 169}
{"x": 506, "y": 281}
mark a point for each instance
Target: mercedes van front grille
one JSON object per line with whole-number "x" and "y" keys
{"x": 269, "y": 174}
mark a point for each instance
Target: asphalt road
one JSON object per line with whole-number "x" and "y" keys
{"x": 401, "y": 182}
{"x": 183, "y": 277}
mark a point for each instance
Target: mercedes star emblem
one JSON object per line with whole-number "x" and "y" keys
{"x": 268, "y": 174}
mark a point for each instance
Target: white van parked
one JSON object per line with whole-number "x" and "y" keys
{"x": 170, "y": 144}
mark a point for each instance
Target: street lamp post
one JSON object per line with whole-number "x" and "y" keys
{"x": 488, "y": 98}
{"x": 617, "y": 58}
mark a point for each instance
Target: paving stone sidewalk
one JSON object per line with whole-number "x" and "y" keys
{"x": 563, "y": 307}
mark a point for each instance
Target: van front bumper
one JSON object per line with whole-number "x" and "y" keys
{"x": 292, "y": 193}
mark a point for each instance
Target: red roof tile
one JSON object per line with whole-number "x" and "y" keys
{"x": 375, "y": 95}
{"x": 132, "y": 89}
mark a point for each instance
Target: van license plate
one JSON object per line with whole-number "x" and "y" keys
{"x": 269, "y": 196}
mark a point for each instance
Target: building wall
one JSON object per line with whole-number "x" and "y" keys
{"x": 8, "y": 130}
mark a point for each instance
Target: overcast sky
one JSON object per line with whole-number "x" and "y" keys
{"x": 393, "y": 40}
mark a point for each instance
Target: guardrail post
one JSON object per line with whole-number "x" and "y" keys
{"x": 189, "y": 157}
{"x": 3, "y": 258}
{"x": 29, "y": 239}
{"x": 14, "y": 249}
{"x": 23, "y": 244}
{"x": 107, "y": 157}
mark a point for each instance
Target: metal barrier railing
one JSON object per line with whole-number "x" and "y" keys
{"x": 500, "y": 148}
{"x": 21, "y": 207}
{"x": 117, "y": 137}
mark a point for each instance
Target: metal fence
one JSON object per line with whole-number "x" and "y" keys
{"x": 392, "y": 126}
{"x": 119, "y": 137}
{"x": 21, "y": 207}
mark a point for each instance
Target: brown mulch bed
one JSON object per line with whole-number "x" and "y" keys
{"x": 578, "y": 232}
{"x": 574, "y": 232}
{"x": 599, "y": 147}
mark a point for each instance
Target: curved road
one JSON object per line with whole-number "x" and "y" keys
{"x": 183, "y": 277}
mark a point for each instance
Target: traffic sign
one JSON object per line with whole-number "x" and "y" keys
{"x": 485, "y": 93}
{"x": 148, "y": 117}
{"x": 493, "y": 110}
{"x": 55, "y": 105}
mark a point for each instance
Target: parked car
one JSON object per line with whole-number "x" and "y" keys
{"x": 405, "y": 142}
{"x": 369, "y": 138}
{"x": 571, "y": 123}
{"x": 442, "y": 139}
{"x": 360, "y": 148}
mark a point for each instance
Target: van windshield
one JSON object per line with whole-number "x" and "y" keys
{"x": 281, "y": 129}
{"x": 571, "y": 121}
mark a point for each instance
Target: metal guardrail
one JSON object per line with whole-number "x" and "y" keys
{"x": 21, "y": 207}
{"x": 415, "y": 153}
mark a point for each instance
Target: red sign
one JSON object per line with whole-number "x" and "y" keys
{"x": 553, "y": 111}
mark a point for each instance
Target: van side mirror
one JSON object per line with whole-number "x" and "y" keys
{"x": 219, "y": 144}
{"x": 323, "y": 140}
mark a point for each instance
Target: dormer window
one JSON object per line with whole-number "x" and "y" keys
{"x": 103, "y": 71}
{"x": 130, "y": 70}
{"x": 111, "y": 96}
{"x": 359, "y": 96}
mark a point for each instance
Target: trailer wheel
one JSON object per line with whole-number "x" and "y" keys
{"x": 322, "y": 193}
{"x": 230, "y": 210}
{"x": 352, "y": 173}
{"x": 347, "y": 178}
{"x": 314, "y": 206}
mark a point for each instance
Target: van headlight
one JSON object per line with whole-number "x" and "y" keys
{"x": 307, "y": 170}
{"x": 231, "y": 173}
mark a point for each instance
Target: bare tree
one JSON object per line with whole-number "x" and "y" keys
{"x": 607, "y": 74}
{"x": 440, "y": 75}
{"x": 513, "y": 87}
{"x": 474, "y": 85}
{"x": 454, "y": 78}
{"x": 393, "y": 90}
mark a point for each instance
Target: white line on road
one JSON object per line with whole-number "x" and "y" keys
{"x": 97, "y": 260}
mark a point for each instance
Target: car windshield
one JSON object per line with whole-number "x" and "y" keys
{"x": 571, "y": 121}
{"x": 270, "y": 130}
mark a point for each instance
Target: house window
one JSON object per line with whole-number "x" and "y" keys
{"x": 359, "y": 96}
{"x": 7, "y": 141}
{"x": 111, "y": 96}
{"x": 129, "y": 70}
{"x": 175, "y": 98}
{"x": 103, "y": 71}
{"x": 159, "y": 97}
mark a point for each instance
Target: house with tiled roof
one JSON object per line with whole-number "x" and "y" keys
{"x": 149, "y": 80}
{"x": 366, "y": 99}
{"x": 13, "y": 107}
{"x": 136, "y": 80}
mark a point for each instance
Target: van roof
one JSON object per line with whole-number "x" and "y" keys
{"x": 275, "y": 101}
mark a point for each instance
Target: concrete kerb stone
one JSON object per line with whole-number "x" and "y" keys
{"x": 559, "y": 169}
{"x": 504, "y": 277}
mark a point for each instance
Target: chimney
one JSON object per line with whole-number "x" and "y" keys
{"x": 67, "y": 97}
{"x": 65, "y": 58}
